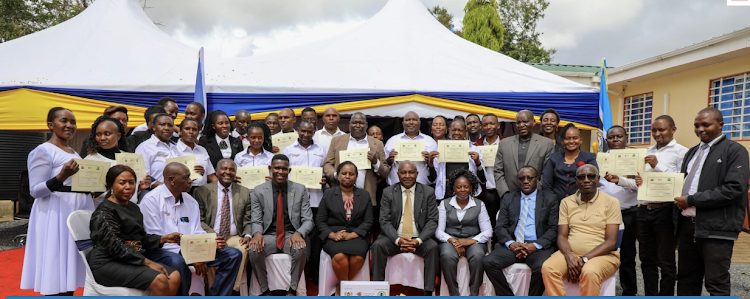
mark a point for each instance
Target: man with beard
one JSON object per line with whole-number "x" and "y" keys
{"x": 474, "y": 127}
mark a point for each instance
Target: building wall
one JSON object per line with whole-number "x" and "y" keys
{"x": 687, "y": 93}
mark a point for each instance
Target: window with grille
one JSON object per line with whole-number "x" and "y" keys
{"x": 638, "y": 118}
{"x": 731, "y": 95}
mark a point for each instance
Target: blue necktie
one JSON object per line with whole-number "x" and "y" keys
{"x": 521, "y": 227}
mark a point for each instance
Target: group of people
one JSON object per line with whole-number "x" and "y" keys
{"x": 543, "y": 203}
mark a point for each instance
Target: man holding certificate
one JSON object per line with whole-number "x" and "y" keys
{"x": 410, "y": 145}
{"x": 169, "y": 208}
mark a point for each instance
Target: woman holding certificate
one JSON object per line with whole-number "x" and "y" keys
{"x": 344, "y": 220}
{"x": 187, "y": 146}
{"x": 217, "y": 139}
{"x": 51, "y": 264}
{"x": 440, "y": 170}
{"x": 559, "y": 174}
{"x": 107, "y": 139}
{"x": 119, "y": 240}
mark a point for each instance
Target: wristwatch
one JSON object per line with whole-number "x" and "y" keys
{"x": 585, "y": 259}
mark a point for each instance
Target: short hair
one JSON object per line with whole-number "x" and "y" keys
{"x": 550, "y": 110}
{"x": 163, "y": 101}
{"x": 203, "y": 109}
{"x": 459, "y": 173}
{"x": 187, "y": 120}
{"x": 151, "y": 110}
{"x": 307, "y": 121}
{"x": 114, "y": 109}
{"x": 309, "y": 109}
{"x": 618, "y": 127}
{"x": 341, "y": 165}
{"x": 92, "y": 146}
{"x": 490, "y": 115}
{"x": 274, "y": 114}
{"x": 439, "y": 116}
{"x": 526, "y": 111}
{"x": 224, "y": 160}
{"x": 358, "y": 114}
{"x": 115, "y": 171}
{"x": 536, "y": 172}
{"x": 569, "y": 126}
{"x": 718, "y": 116}
{"x": 153, "y": 121}
{"x": 668, "y": 119}
{"x": 281, "y": 157}
{"x": 474, "y": 114}
{"x": 53, "y": 111}
{"x": 460, "y": 117}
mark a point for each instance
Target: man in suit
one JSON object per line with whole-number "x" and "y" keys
{"x": 515, "y": 152}
{"x": 531, "y": 243}
{"x": 367, "y": 178}
{"x": 225, "y": 211}
{"x": 401, "y": 202}
{"x": 716, "y": 189}
{"x": 281, "y": 222}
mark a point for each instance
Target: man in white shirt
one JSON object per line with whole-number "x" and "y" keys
{"x": 411, "y": 124}
{"x": 287, "y": 119}
{"x": 272, "y": 121}
{"x": 309, "y": 114}
{"x": 491, "y": 127}
{"x": 169, "y": 208}
{"x": 241, "y": 124}
{"x": 330, "y": 128}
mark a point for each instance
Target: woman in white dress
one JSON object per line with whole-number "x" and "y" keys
{"x": 107, "y": 138}
{"x": 52, "y": 264}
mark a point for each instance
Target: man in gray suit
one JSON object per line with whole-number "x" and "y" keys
{"x": 281, "y": 221}
{"x": 515, "y": 152}
{"x": 225, "y": 211}
{"x": 399, "y": 234}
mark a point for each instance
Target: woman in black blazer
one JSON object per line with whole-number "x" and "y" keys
{"x": 216, "y": 137}
{"x": 344, "y": 221}
{"x": 559, "y": 174}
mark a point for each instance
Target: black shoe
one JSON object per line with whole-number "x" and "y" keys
{"x": 267, "y": 293}
{"x": 235, "y": 293}
{"x": 291, "y": 292}
{"x": 428, "y": 293}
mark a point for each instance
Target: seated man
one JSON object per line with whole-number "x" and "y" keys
{"x": 526, "y": 231}
{"x": 225, "y": 210}
{"x": 404, "y": 228}
{"x": 587, "y": 238}
{"x": 169, "y": 208}
{"x": 281, "y": 221}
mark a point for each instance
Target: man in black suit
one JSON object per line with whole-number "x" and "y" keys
{"x": 716, "y": 189}
{"x": 399, "y": 234}
{"x": 531, "y": 243}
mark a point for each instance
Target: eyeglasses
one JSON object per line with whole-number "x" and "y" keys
{"x": 591, "y": 176}
{"x": 526, "y": 178}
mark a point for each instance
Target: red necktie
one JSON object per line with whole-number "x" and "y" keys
{"x": 242, "y": 138}
{"x": 280, "y": 221}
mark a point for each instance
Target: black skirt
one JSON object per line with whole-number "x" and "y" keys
{"x": 358, "y": 246}
{"x": 116, "y": 274}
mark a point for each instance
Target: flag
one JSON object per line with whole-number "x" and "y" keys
{"x": 605, "y": 112}
{"x": 200, "y": 82}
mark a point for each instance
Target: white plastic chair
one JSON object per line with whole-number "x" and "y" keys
{"x": 463, "y": 281}
{"x": 327, "y": 277}
{"x": 405, "y": 269}
{"x": 78, "y": 224}
{"x": 279, "y": 271}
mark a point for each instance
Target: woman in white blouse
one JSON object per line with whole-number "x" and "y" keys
{"x": 439, "y": 171}
{"x": 463, "y": 229}
{"x": 187, "y": 146}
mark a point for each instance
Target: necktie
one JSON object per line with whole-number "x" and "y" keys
{"x": 242, "y": 138}
{"x": 691, "y": 174}
{"x": 408, "y": 230}
{"x": 225, "y": 219}
{"x": 280, "y": 221}
{"x": 223, "y": 145}
{"x": 521, "y": 227}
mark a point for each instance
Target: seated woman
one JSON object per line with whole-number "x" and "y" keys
{"x": 440, "y": 170}
{"x": 344, "y": 220}
{"x": 107, "y": 138}
{"x": 464, "y": 229}
{"x": 559, "y": 175}
{"x": 119, "y": 238}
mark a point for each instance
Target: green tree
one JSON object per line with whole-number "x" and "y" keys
{"x": 482, "y": 24}
{"x": 22, "y": 17}
{"x": 441, "y": 14}
{"x": 521, "y": 40}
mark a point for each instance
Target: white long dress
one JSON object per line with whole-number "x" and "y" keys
{"x": 52, "y": 264}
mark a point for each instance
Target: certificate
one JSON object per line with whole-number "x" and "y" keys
{"x": 308, "y": 176}
{"x": 198, "y": 248}
{"x": 91, "y": 176}
{"x": 489, "y": 152}
{"x": 283, "y": 140}
{"x": 627, "y": 161}
{"x": 135, "y": 161}
{"x": 357, "y": 156}
{"x": 409, "y": 150}
{"x": 252, "y": 176}
{"x": 190, "y": 162}
{"x": 602, "y": 159}
{"x": 453, "y": 151}
{"x": 661, "y": 186}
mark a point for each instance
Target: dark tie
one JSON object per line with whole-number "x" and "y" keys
{"x": 280, "y": 221}
{"x": 225, "y": 219}
{"x": 223, "y": 145}
{"x": 691, "y": 175}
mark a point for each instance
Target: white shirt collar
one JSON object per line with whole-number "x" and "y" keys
{"x": 454, "y": 203}
{"x": 219, "y": 140}
{"x": 157, "y": 141}
{"x": 497, "y": 141}
{"x": 221, "y": 188}
{"x": 710, "y": 144}
{"x": 338, "y": 132}
{"x": 351, "y": 138}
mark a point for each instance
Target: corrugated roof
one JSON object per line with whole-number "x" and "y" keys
{"x": 551, "y": 67}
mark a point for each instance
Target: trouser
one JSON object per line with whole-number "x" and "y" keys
{"x": 383, "y": 247}
{"x": 501, "y": 257}
{"x": 228, "y": 260}
{"x": 449, "y": 265}
{"x": 628, "y": 278}
{"x": 699, "y": 258}
{"x": 316, "y": 247}
{"x": 492, "y": 203}
{"x": 258, "y": 260}
{"x": 175, "y": 261}
{"x": 234, "y": 242}
{"x": 656, "y": 246}
{"x": 593, "y": 273}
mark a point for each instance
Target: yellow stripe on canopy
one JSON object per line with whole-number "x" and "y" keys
{"x": 432, "y": 101}
{"x": 26, "y": 109}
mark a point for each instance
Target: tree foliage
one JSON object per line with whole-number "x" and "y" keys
{"x": 441, "y": 15}
{"x": 22, "y": 17}
{"x": 521, "y": 40}
{"x": 482, "y": 24}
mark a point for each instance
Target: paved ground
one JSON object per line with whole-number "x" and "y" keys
{"x": 740, "y": 271}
